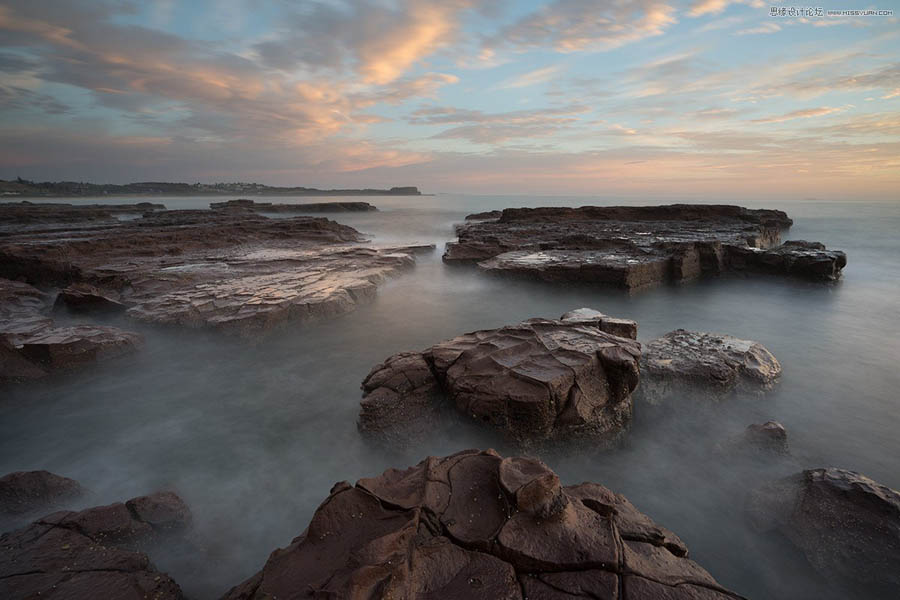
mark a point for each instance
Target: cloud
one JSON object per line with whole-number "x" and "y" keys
{"x": 494, "y": 128}
{"x": 714, "y": 7}
{"x": 762, "y": 29}
{"x": 586, "y": 25}
{"x": 530, "y": 78}
{"x": 805, "y": 113}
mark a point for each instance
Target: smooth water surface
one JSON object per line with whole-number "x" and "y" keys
{"x": 254, "y": 435}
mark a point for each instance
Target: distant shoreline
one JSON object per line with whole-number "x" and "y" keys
{"x": 69, "y": 189}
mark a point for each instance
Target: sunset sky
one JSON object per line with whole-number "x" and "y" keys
{"x": 702, "y": 98}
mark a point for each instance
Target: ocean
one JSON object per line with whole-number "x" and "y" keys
{"x": 253, "y": 436}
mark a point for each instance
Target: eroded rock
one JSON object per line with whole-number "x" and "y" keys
{"x": 89, "y": 554}
{"x": 846, "y": 524}
{"x": 27, "y": 492}
{"x": 689, "y": 362}
{"x": 312, "y": 207}
{"x": 231, "y": 270}
{"x": 477, "y": 526}
{"x": 540, "y": 380}
{"x": 637, "y": 246}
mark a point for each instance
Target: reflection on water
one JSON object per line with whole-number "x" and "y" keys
{"x": 253, "y": 436}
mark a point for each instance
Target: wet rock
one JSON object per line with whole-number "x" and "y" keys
{"x": 87, "y": 298}
{"x": 465, "y": 526}
{"x": 846, "y": 524}
{"x": 637, "y": 246}
{"x": 620, "y": 327}
{"x": 17, "y": 214}
{"x": 25, "y": 492}
{"x": 238, "y": 272}
{"x": 688, "y": 362}
{"x": 540, "y": 380}
{"x": 86, "y": 554}
{"x": 312, "y": 207}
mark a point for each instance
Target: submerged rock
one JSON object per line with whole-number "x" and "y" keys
{"x": 847, "y": 526}
{"x": 235, "y": 271}
{"x": 312, "y": 207}
{"x": 25, "y": 492}
{"x": 91, "y": 553}
{"x": 540, "y": 380}
{"x": 637, "y": 246}
{"x": 477, "y": 526}
{"x": 764, "y": 438}
{"x": 685, "y": 362}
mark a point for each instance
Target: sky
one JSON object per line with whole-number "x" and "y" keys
{"x": 644, "y": 98}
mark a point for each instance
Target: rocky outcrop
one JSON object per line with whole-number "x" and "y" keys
{"x": 847, "y": 526}
{"x": 540, "y": 380}
{"x": 235, "y": 271}
{"x": 32, "y": 346}
{"x": 475, "y": 526}
{"x": 28, "y": 492}
{"x": 16, "y": 214}
{"x": 637, "y": 246}
{"x": 312, "y": 207}
{"x": 85, "y": 298}
{"x": 711, "y": 365}
{"x": 92, "y": 553}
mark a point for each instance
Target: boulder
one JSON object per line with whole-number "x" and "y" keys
{"x": 540, "y": 380}
{"x": 762, "y": 438}
{"x": 88, "y": 554}
{"x": 689, "y": 362}
{"x": 87, "y": 298}
{"x": 477, "y": 526}
{"x": 69, "y": 347}
{"x": 846, "y": 524}
{"x": 633, "y": 247}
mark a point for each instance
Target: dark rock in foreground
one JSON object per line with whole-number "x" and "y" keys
{"x": 312, "y": 207}
{"x": 709, "y": 364}
{"x": 32, "y": 346}
{"x": 235, "y": 271}
{"x": 91, "y": 553}
{"x": 477, "y": 526}
{"x": 25, "y": 492}
{"x": 540, "y": 380}
{"x": 637, "y": 246}
{"x": 847, "y": 526}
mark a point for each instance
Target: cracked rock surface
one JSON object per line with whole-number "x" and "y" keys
{"x": 92, "y": 553}
{"x": 710, "y": 364}
{"x": 846, "y": 524}
{"x": 235, "y": 271}
{"x": 475, "y": 525}
{"x": 540, "y": 380}
{"x": 638, "y": 246}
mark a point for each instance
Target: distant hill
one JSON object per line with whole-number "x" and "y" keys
{"x": 25, "y": 188}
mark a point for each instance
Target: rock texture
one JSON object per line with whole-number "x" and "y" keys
{"x": 637, "y": 246}
{"x": 32, "y": 346}
{"x": 690, "y": 362}
{"x": 312, "y": 207}
{"x": 475, "y": 526}
{"x": 92, "y": 553}
{"x": 231, "y": 270}
{"x": 766, "y": 439}
{"x": 540, "y": 380}
{"x": 847, "y": 526}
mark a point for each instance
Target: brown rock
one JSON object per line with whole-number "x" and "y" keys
{"x": 637, "y": 246}
{"x": 683, "y": 362}
{"x": 388, "y": 537}
{"x": 27, "y": 492}
{"x": 846, "y": 524}
{"x": 311, "y": 207}
{"x": 88, "y": 299}
{"x": 83, "y": 555}
{"x": 540, "y": 380}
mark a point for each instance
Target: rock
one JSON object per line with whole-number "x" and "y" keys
{"x": 313, "y": 207}
{"x": 637, "y": 246}
{"x": 238, "y": 272}
{"x": 86, "y": 554}
{"x": 620, "y": 327}
{"x": 770, "y": 435}
{"x": 25, "y": 492}
{"x": 847, "y": 526}
{"x": 484, "y": 216}
{"x": 714, "y": 365}
{"x": 25, "y": 213}
{"x": 477, "y": 526}
{"x": 540, "y": 380}
{"x": 87, "y": 299}
{"x": 31, "y": 346}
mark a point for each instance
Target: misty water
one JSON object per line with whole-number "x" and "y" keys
{"x": 253, "y": 436}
